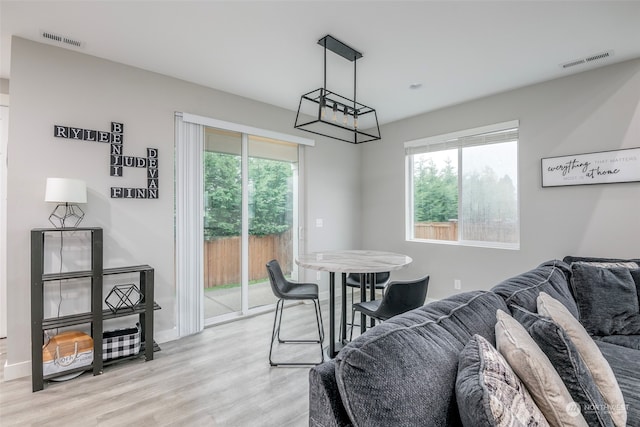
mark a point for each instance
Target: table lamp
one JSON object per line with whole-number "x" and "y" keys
{"x": 66, "y": 193}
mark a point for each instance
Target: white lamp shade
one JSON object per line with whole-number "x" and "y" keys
{"x": 65, "y": 190}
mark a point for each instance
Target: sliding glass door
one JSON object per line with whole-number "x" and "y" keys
{"x": 272, "y": 208}
{"x": 222, "y": 186}
{"x": 250, "y": 217}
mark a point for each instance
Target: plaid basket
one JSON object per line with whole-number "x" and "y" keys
{"x": 121, "y": 342}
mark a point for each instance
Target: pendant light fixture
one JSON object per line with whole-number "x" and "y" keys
{"x": 326, "y": 113}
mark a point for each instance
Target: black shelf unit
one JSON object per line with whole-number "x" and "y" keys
{"x": 145, "y": 309}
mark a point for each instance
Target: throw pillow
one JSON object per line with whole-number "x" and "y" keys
{"x": 633, "y": 266}
{"x": 607, "y": 299}
{"x": 488, "y": 391}
{"x": 537, "y": 373}
{"x": 596, "y": 363}
{"x": 565, "y": 358}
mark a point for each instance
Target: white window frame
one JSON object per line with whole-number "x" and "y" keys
{"x": 450, "y": 141}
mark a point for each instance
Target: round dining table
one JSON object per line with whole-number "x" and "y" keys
{"x": 364, "y": 262}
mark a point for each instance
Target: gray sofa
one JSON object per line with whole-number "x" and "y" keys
{"x": 403, "y": 371}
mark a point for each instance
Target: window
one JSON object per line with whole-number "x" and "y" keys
{"x": 462, "y": 187}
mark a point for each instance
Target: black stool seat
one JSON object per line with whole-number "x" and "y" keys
{"x": 301, "y": 291}
{"x": 398, "y": 298}
{"x": 353, "y": 280}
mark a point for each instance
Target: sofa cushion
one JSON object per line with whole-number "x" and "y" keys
{"x": 325, "y": 405}
{"x": 631, "y": 341}
{"x": 489, "y": 393}
{"x": 537, "y": 373}
{"x": 565, "y": 358}
{"x": 386, "y": 375}
{"x": 596, "y": 363}
{"x": 607, "y": 299}
{"x": 625, "y": 364}
{"x": 550, "y": 277}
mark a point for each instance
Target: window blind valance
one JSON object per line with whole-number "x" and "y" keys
{"x": 249, "y": 130}
{"x": 492, "y": 134}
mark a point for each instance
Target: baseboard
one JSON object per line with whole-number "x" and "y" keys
{"x": 16, "y": 370}
{"x": 166, "y": 336}
{"x": 23, "y": 369}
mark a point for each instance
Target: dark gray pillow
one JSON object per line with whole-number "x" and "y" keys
{"x": 564, "y": 356}
{"x": 489, "y": 393}
{"x": 607, "y": 299}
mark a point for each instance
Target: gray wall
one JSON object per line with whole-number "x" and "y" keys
{"x": 360, "y": 206}
{"x": 50, "y": 85}
{"x": 596, "y": 110}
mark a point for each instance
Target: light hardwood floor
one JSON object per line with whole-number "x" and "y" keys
{"x": 220, "y": 377}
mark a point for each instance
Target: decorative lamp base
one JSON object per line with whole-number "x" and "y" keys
{"x": 65, "y": 214}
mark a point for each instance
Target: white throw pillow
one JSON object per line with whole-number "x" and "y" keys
{"x": 537, "y": 373}
{"x": 596, "y": 363}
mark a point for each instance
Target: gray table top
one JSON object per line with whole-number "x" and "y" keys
{"x": 353, "y": 261}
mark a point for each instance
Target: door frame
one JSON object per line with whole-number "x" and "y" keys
{"x": 4, "y": 141}
{"x": 194, "y": 220}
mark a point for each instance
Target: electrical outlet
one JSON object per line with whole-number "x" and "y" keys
{"x": 457, "y": 284}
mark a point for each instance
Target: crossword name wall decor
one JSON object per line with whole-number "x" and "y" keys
{"x": 118, "y": 160}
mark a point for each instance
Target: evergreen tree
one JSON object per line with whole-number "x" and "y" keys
{"x": 270, "y": 197}
{"x": 435, "y": 191}
{"x": 223, "y": 195}
{"x": 270, "y": 201}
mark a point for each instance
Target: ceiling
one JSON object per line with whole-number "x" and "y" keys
{"x": 267, "y": 50}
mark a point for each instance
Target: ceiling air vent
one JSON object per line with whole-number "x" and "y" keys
{"x": 57, "y": 38}
{"x": 588, "y": 59}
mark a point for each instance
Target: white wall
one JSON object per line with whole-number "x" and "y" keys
{"x": 596, "y": 110}
{"x": 52, "y": 86}
{"x": 4, "y": 133}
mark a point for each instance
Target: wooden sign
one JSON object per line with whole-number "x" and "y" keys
{"x": 604, "y": 167}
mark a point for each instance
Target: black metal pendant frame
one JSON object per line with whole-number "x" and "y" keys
{"x": 321, "y": 103}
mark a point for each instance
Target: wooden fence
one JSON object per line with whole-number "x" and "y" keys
{"x": 222, "y": 257}
{"x": 492, "y": 232}
{"x": 436, "y": 230}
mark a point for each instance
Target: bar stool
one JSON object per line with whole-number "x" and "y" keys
{"x": 285, "y": 290}
{"x": 398, "y": 298}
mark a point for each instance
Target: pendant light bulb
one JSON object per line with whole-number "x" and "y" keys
{"x": 323, "y": 104}
{"x": 345, "y": 116}
{"x": 335, "y": 112}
